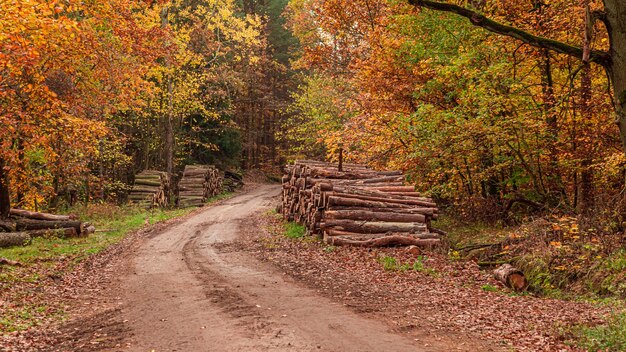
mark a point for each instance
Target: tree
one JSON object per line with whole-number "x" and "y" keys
{"x": 613, "y": 60}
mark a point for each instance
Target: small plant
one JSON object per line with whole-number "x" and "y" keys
{"x": 329, "y": 249}
{"x": 389, "y": 263}
{"x": 293, "y": 230}
{"x": 489, "y": 288}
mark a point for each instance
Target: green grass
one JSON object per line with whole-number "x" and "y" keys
{"x": 489, "y": 288}
{"x": 608, "y": 337}
{"x": 120, "y": 221}
{"x": 293, "y": 230}
{"x": 27, "y": 307}
{"x": 393, "y": 264}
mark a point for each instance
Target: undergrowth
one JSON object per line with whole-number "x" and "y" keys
{"x": 608, "y": 337}
{"x": 561, "y": 259}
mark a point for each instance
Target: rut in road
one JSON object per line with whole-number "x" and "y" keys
{"x": 185, "y": 294}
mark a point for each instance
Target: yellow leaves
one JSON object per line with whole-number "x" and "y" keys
{"x": 556, "y": 244}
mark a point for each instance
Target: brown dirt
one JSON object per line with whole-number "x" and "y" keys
{"x": 189, "y": 286}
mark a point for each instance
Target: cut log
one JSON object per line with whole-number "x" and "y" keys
{"x": 10, "y": 239}
{"x": 7, "y": 226}
{"x": 357, "y": 235}
{"x": 374, "y": 216}
{"x": 40, "y": 216}
{"x": 60, "y": 233}
{"x": 355, "y": 202}
{"x": 384, "y": 242}
{"x": 511, "y": 277}
{"x": 29, "y": 224}
{"x": 373, "y": 227}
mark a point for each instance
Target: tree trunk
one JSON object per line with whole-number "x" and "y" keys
{"x": 5, "y": 196}
{"x": 616, "y": 25}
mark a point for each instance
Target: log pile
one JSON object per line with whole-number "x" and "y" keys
{"x": 199, "y": 183}
{"x": 232, "y": 181}
{"x": 357, "y": 206}
{"x": 151, "y": 189}
{"x": 22, "y": 226}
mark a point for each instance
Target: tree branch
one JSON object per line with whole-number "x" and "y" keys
{"x": 599, "y": 57}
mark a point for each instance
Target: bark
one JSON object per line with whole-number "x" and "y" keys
{"x": 10, "y": 239}
{"x": 39, "y": 216}
{"x": 383, "y": 242}
{"x": 374, "y": 216}
{"x": 28, "y": 224}
{"x": 368, "y": 236}
{"x": 373, "y": 226}
{"x": 5, "y": 198}
{"x": 7, "y": 226}
{"x": 61, "y": 233}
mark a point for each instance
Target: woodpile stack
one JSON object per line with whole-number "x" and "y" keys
{"x": 357, "y": 206}
{"x": 22, "y": 226}
{"x": 151, "y": 189}
{"x": 199, "y": 183}
{"x": 232, "y": 181}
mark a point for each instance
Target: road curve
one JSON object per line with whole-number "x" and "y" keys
{"x": 186, "y": 290}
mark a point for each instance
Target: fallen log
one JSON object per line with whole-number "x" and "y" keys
{"x": 374, "y": 216}
{"x": 60, "y": 233}
{"x": 7, "y": 226}
{"x": 384, "y": 242}
{"x": 372, "y": 226}
{"x": 361, "y": 236}
{"x": 40, "y": 216}
{"x": 511, "y": 277}
{"x": 29, "y": 224}
{"x": 10, "y": 239}
{"x": 355, "y": 202}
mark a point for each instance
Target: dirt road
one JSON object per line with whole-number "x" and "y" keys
{"x": 187, "y": 290}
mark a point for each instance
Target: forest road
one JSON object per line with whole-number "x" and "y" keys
{"x": 188, "y": 290}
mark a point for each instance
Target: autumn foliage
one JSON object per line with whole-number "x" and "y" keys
{"x": 93, "y": 91}
{"x": 476, "y": 118}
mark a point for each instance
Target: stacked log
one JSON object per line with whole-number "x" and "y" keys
{"x": 23, "y": 225}
{"x": 232, "y": 181}
{"x": 198, "y": 184}
{"x": 151, "y": 189}
{"x": 357, "y": 206}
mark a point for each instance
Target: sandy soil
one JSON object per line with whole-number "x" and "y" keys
{"x": 185, "y": 291}
{"x": 187, "y": 285}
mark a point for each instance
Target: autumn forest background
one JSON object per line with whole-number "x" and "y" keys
{"x": 500, "y": 131}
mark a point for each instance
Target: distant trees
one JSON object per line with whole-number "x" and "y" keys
{"x": 91, "y": 92}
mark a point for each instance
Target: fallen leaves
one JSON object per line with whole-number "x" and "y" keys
{"x": 446, "y": 298}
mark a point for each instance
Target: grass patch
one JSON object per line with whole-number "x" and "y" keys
{"x": 608, "y": 337}
{"x": 117, "y": 220}
{"x": 393, "y": 264}
{"x": 489, "y": 288}
{"x": 24, "y": 305}
{"x": 293, "y": 230}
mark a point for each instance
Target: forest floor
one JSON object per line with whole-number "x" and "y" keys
{"x": 225, "y": 278}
